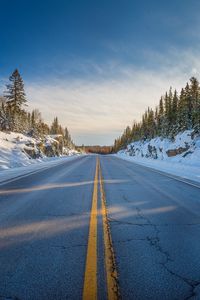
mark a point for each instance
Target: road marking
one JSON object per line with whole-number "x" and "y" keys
{"x": 90, "y": 279}
{"x": 111, "y": 271}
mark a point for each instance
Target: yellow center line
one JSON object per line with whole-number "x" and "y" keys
{"x": 90, "y": 279}
{"x": 110, "y": 265}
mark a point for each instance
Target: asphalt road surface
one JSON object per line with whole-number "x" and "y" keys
{"x": 98, "y": 227}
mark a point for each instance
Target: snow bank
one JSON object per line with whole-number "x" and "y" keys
{"x": 18, "y": 150}
{"x": 180, "y": 157}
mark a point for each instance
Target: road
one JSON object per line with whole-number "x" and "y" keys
{"x": 99, "y": 227}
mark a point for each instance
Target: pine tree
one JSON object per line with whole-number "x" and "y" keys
{"x": 67, "y": 139}
{"x": 182, "y": 112}
{"x": 54, "y": 126}
{"x": 188, "y": 107}
{"x": 160, "y": 117}
{"x": 174, "y": 117}
{"x": 167, "y": 124}
{"x": 15, "y": 100}
{"x": 15, "y": 93}
{"x": 195, "y": 103}
{"x": 4, "y": 120}
{"x": 151, "y": 124}
{"x": 127, "y": 133}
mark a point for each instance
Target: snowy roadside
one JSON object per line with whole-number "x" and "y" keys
{"x": 179, "y": 157}
{"x": 20, "y": 155}
{"x": 12, "y": 173}
{"x": 180, "y": 169}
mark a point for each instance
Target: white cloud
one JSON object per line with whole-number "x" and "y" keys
{"x": 96, "y": 110}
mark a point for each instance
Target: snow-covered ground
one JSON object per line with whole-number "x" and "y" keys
{"x": 14, "y": 157}
{"x": 180, "y": 157}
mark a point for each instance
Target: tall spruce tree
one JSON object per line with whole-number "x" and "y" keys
{"x": 15, "y": 100}
{"x": 54, "y": 126}
{"x": 174, "y": 113}
{"x": 15, "y": 93}
{"x": 160, "y": 118}
{"x": 195, "y": 102}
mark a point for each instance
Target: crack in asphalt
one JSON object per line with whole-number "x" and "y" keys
{"x": 120, "y": 222}
{"x": 130, "y": 240}
{"x": 68, "y": 247}
{"x": 125, "y": 222}
{"x": 65, "y": 215}
{"x": 8, "y": 298}
{"x": 154, "y": 241}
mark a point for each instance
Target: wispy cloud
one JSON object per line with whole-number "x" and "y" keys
{"x": 96, "y": 109}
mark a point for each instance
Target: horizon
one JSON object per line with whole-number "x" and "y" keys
{"x": 100, "y": 63}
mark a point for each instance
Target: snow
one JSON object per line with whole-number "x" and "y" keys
{"x": 11, "y": 150}
{"x": 14, "y": 159}
{"x": 154, "y": 154}
{"x": 51, "y": 139}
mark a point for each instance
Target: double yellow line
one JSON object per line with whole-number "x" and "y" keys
{"x": 90, "y": 290}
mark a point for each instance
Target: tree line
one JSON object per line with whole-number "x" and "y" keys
{"x": 95, "y": 149}
{"x": 15, "y": 117}
{"x": 174, "y": 113}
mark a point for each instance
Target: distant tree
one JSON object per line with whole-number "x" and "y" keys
{"x": 160, "y": 117}
{"x": 54, "y": 126}
{"x": 195, "y": 99}
{"x": 174, "y": 115}
{"x": 67, "y": 138}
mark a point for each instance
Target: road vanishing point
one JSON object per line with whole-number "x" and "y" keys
{"x": 99, "y": 227}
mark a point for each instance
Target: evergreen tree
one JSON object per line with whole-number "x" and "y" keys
{"x": 182, "y": 112}
{"x": 15, "y": 100}
{"x": 195, "y": 103}
{"x": 67, "y": 139}
{"x": 188, "y": 107}
{"x": 54, "y": 126}
{"x": 174, "y": 115}
{"x": 4, "y": 119}
{"x": 160, "y": 118}
{"x": 167, "y": 121}
{"x": 15, "y": 93}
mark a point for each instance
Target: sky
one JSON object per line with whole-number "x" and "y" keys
{"x": 98, "y": 64}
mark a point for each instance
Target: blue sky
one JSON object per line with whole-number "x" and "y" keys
{"x": 98, "y": 64}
